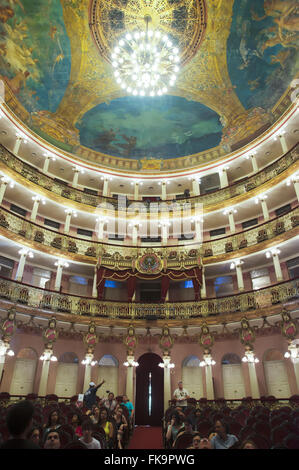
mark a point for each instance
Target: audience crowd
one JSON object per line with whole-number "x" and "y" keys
{"x": 109, "y": 424}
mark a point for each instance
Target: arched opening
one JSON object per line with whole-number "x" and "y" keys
{"x": 108, "y": 370}
{"x": 67, "y": 375}
{"x": 24, "y": 372}
{"x": 149, "y": 402}
{"x": 192, "y": 377}
{"x": 232, "y": 374}
{"x": 276, "y": 374}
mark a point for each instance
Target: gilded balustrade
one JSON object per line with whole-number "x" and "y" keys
{"x": 15, "y": 227}
{"x": 38, "y": 298}
{"x": 76, "y": 195}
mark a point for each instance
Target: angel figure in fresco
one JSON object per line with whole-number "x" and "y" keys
{"x": 130, "y": 341}
{"x": 288, "y": 326}
{"x": 105, "y": 138}
{"x": 50, "y": 333}
{"x": 166, "y": 341}
{"x": 6, "y": 13}
{"x": 247, "y": 335}
{"x": 129, "y": 146}
{"x": 285, "y": 16}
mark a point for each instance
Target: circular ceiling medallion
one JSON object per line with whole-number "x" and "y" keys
{"x": 184, "y": 21}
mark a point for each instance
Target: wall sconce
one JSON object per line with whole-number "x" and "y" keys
{"x": 48, "y": 356}
{"x": 171, "y": 365}
{"x": 5, "y": 349}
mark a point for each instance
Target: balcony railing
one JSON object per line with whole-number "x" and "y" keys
{"x": 64, "y": 190}
{"x": 38, "y": 298}
{"x": 15, "y": 224}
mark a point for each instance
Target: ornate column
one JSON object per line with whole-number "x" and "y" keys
{"x": 94, "y": 285}
{"x": 47, "y": 162}
{"x": 24, "y": 252}
{"x": 166, "y": 343}
{"x": 283, "y": 143}
{"x": 60, "y": 265}
{"x": 223, "y": 177}
{"x": 90, "y": 340}
{"x": 76, "y": 171}
{"x": 37, "y": 200}
{"x": 7, "y": 328}
{"x": 105, "y": 191}
{"x": 135, "y": 227}
{"x": 247, "y": 337}
{"x": 17, "y": 144}
{"x": 50, "y": 335}
{"x": 195, "y": 186}
{"x": 274, "y": 252}
{"x": 203, "y": 291}
{"x": 164, "y": 191}
{"x": 206, "y": 341}
{"x": 136, "y": 185}
{"x": 230, "y": 212}
{"x": 252, "y": 157}
{"x": 289, "y": 330}
{"x": 237, "y": 264}
{"x": 295, "y": 180}
{"x": 130, "y": 342}
{"x": 164, "y": 224}
{"x": 262, "y": 200}
{"x": 69, "y": 213}
{"x": 3, "y": 186}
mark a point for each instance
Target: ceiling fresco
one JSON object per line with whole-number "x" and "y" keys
{"x": 238, "y": 58}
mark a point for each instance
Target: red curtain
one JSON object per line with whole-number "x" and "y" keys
{"x": 129, "y": 275}
{"x": 131, "y": 285}
{"x": 164, "y": 287}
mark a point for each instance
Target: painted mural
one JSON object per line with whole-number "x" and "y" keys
{"x": 262, "y": 50}
{"x": 259, "y": 61}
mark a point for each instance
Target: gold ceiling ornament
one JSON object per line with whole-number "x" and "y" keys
{"x": 184, "y": 21}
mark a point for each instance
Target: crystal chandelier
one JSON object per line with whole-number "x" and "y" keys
{"x": 146, "y": 62}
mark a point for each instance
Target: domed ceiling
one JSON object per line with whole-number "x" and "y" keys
{"x": 238, "y": 57}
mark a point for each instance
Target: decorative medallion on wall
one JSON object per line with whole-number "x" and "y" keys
{"x": 90, "y": 338}
{"x": 206, "y": 340}
{"x": 130, "y": 341}
{"x": 50, "y": 333}
{"x": 247, "y": 335}
{"x": 149, "y": 263}
{"x": 288, "y": 326}
{"x": 166, "y": 341}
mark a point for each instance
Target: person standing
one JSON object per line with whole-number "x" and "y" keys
{"x": 181, "y": 395}
{"x": 90, "y": 395}
{"x": 110, "y": 403}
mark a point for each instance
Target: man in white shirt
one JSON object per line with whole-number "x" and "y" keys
{"x": 181, "y": 395}
{"x": 87, "y": 439}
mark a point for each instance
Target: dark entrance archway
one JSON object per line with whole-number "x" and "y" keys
{"x": 149, "y": 402}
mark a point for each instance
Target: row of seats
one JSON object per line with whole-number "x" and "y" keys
{"x": 267, "y": 428}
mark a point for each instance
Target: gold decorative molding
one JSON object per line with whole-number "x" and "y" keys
{"x": 254, "y": 304}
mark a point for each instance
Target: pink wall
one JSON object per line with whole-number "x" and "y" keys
{"x": 179, "y": 353}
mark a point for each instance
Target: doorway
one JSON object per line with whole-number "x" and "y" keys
{"x": 149, "y": 403}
